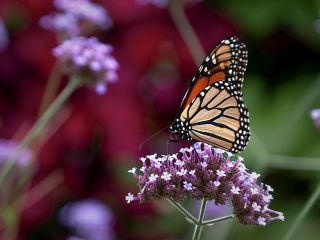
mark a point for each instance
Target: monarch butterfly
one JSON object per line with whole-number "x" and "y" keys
{"x": 212, "y": 109}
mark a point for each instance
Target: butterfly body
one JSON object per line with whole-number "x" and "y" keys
{"x": 213, "y": 110}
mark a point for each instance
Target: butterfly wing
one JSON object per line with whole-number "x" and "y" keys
{"x": 228, "y": 61}
{"x": 218, "y": 118}
{"x": 213, "y": 110}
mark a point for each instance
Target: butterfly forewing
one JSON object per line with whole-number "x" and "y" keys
{"x": 213, "y": 110}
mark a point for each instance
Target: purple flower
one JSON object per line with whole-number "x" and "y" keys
{"x": 90, "y": 59}
{"x": 7, "y": 149}
{"x": 4, "y": 41}
{"x": 89, "y": 219}
{"x": 64, "y": 24}
{"x": 224, "y": 177}
{"x": 85, "y": 10}
{"x": 76, "y": 17}
{"x": 74, "y": 238}
{"x": 129, "y": 198}
{"x": 315, "y": 115}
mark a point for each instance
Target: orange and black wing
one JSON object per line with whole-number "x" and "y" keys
{"x": 227, "y": 62}
{"x": 213, "y": 110}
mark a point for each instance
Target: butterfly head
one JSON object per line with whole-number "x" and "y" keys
{"x": 181, "y": 129}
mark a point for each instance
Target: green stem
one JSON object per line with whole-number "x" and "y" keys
{"x": 259, "y": 151}
{"x": 10, "y": 222}
{"x": 72, "y": 85}
{"x": 51, "y": 88}
{"x": 183, "y": 211}
{"x": 198, "y": 227}
{"x": 186, "y": 30}
{"x": 300, "y": 163}
{"x": 212, "y": 221}
{"x": 42, "y": 189}
{"x": 300, "y": 110}
{"x": 313, "y": 198}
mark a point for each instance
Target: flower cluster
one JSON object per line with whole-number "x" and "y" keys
{"x": 315, "y": 115}
{"x": 3, "y": 36}
{"x": 75, "y": 17}
{"x": 89, "y": 219}
{"x": 205, "y": 172}
{"x": 89, "y": 58}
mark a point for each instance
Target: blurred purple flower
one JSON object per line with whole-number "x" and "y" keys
{"x": 8, "y": 147}
{"x": 89, "y": 219}
{"x": 75, "y": 17}
{"x": 315, "y": 115}
{"x": 85, "y": 10}
{"x": 90, "y": 59}
{"x": 211, "y": 173}
{"x": 64, "y": 24}
{"x": 75, "y": 238}
{"x": 4, "y": 41}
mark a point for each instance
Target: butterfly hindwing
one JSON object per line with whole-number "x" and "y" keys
{"x": 218, "y": 118}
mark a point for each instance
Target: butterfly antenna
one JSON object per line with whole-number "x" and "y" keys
{"x": 152, "y": 136}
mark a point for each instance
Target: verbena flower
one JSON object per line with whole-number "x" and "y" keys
{"x": 315, "y": 115}
{"x": 3, "y": 36}
{"x": 212, "y": 174}
{"x": 90, "y": 59}
{"x": 85, "y": 10}
{"x": 64, "y": 24}
{"x": 75, "y": 17}
{"x": 89, "y": 219}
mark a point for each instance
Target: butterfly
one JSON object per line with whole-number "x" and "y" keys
{"x": 212, "y": 110}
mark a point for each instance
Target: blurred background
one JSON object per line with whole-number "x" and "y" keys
{"x": 82, "y": 158}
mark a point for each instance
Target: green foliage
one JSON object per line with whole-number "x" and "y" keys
{"x": 262, "y": 18}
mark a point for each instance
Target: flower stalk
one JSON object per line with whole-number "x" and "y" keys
{"x": 181, "y": 209}
{"x": 72, "y": 85}
{"x": 198, "y": 227}
{"x": 213, "y": 221}
{"x": 303, "y": 213}
{"x": 51, "y": 88}
{"x": 198, "y": 223}
{"x": 186, "y": 30}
